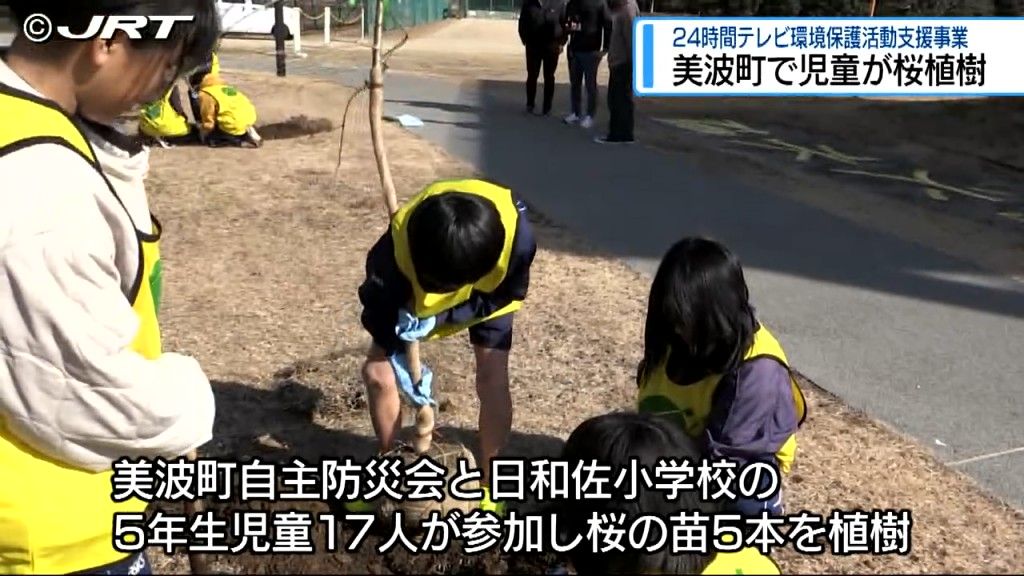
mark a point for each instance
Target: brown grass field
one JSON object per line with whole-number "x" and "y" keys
{"x": 264, "y": 250}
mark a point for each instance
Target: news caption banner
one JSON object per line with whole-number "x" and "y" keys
{"x": 291, "y": 530}
{"x": 774, "y": 56}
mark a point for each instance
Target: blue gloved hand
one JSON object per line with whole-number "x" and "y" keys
{"x": 419, "y": 393}
{"x": 410, "y": 328}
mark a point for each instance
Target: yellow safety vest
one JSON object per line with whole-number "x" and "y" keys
{"x": 691, "y": 404}
{"x": 429, "y": 304}
{"x": 54, "y": 518}
{"x": 742, "y": 561}
{"x": 159, "y": 119}
{"x": 746, "y": 560}
{"x": 235, "y": 112}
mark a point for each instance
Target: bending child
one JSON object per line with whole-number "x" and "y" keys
{"x": 226, "y": 116}
{"x": 84, "y": 381}
{"x": 617, "y": 440}
{"x": 456, "y": 257}
{"x": 166, "y": 122}
{"x": 719, "y": 372}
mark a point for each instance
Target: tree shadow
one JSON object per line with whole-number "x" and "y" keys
{"x": 278, "y": 424}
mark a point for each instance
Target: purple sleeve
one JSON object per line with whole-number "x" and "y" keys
{"x": 753, "y": 413}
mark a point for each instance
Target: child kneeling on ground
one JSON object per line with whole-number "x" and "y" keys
{"x": 456, "y": 257}
{"x": 710, "y": 364}
{"x": 227, "y": 116}
{"x": 615, "y": 441}
{"x": 166, "y": 122}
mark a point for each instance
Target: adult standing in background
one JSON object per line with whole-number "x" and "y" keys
{"x": 590, "y": 28}
{"x": 542, "y": 33}
{"x": 620, "y": 73}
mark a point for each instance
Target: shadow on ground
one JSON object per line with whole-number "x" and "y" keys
{"x": 899, "y": 329}
{"x": 277, "y": 425}
{"x": 637, "y": 213}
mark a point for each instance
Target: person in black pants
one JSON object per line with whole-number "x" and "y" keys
{"x": 541, "y": 32}
{"x": 620, "y": 73}
{"x": 590, "y": 29}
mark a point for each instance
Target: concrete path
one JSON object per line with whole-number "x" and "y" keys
{"x": 928, "y": 344}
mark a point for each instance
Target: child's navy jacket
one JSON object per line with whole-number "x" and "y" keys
{"x": 486, "y": 311}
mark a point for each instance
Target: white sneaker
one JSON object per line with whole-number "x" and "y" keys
{"x": 571, "y": 119}
{"x": 254, "y": 136}
{"x": 587, "y": 122}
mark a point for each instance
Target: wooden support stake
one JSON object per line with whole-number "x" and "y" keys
{"x": 425, "y": 415}
{"x": 197, "y": 562}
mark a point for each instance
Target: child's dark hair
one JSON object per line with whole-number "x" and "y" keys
{"x": 455, "y": 239}
{"x": 614, "y": 440}
{"x": 197, "y": 38}
{"x": 699, "y": 309}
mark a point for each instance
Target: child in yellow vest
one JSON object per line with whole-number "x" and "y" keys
{"x": 618, "y": 441}
{"x": 166, "y": 123}
{"x": 455, "y": 258}
{"x": 226, "y": 115}
{"x": 85, "y": 381}
{"x": 710, "y": 364}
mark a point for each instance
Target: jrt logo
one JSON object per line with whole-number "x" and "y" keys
{"x": 39, "y": 28}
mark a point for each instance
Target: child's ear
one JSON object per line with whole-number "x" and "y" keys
{"x": 98, "y": 51}
{"x": 102, "y": 51}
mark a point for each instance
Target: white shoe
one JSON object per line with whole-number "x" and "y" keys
{"x": 254, "y": 136}
{"x": 587, "y": 122}
{"x": 571, "y": 119}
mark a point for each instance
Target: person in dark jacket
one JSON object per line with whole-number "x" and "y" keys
{"x": 620, "y": 73}
{"x": 541, "y": 32}
{"x": 590, "y": 28}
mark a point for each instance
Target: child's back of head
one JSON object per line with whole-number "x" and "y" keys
{"x": 699, "y": 310}
{"x": 455, "y": 239}
{"x": 614, "y": 440}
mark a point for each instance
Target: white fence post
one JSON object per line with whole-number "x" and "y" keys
{"x": 296, "y": 18}
{"x": 362, "y": 21}
{"x": 327, "y": 25}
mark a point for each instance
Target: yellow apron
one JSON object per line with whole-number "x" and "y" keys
{"x": 54, "y": 518}
{"x": 742, "y": 561}
{"x": 429, "y": 304}
{"x": 235, "y": 112}
{"x": 691, "y": 404}
{"x": 160, "y": 120}
{"x": 746, "y": 560}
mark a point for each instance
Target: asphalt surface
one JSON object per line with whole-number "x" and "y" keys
{"x": 927, "y": 343}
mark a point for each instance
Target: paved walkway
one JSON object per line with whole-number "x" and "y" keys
{"x": 893, "y": 328}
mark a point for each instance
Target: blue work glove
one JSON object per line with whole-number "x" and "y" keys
{"x": 410, "y": 328}
{"x": 419, "y": 393}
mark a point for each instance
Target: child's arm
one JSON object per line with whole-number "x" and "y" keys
{"x": 383, "y": 293}
{"x": 207, "y": 113}
{"x": 70, "y": 385}
{"x": 753, "y": 413}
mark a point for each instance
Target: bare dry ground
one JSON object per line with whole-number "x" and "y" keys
{"x": 264, "y": 250}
